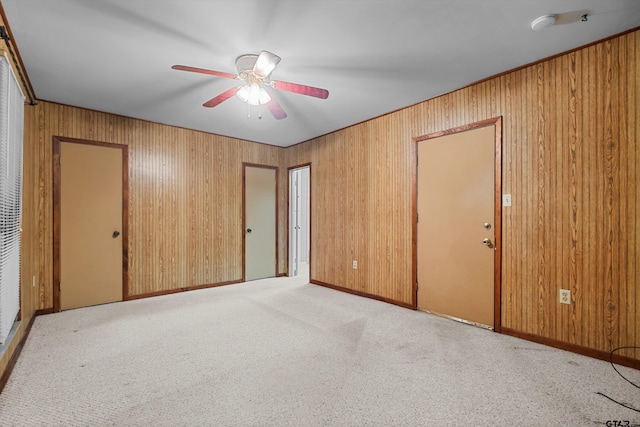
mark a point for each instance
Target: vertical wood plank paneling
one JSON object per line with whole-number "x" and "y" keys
{"x": 570, "y": 161}
{"x": 508, "y": 295}
{"x": 541, "y": 184}
{"x": 632, "y": 318}
{"x": 599, "y": 242}
{"x": 634, "y": 190}
{"x": 612, "y": 196}
{"x": 184, "y": 190}
{"x": 526, "y": 194}
{"x": 553, "y": 211}
{"x": 576, "y": 234}
{"x": 591, "y": 192}
{"x": 623, "y": 231}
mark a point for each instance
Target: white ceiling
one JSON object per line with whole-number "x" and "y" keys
{"x": 373, "y": 56}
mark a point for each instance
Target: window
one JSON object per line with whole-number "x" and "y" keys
{"x": 11, "y": 139}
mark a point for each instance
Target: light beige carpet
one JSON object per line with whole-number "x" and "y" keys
{"x": 281, "y": 352}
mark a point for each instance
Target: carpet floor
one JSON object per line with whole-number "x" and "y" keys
{"x": 282, "y": 352}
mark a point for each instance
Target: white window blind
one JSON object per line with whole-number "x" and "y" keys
{"x": 11, "y": 135}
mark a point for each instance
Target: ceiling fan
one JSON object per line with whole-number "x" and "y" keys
{"x": 255, "y": 72}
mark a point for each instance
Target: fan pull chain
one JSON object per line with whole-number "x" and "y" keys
{"x": 249, "y": 111}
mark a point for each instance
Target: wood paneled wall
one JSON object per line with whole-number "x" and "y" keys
{"x": 571, "y": 160}
{"x": 185, "y": 198}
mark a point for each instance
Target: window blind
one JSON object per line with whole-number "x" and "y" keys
{"x": 11, "y": 139}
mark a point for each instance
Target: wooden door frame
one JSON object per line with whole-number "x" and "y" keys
{"x": 57, "y": 140}
{"x": 244, "y": 214}
{"x": 289, "y": 169}
{"x": 497, "y": 259}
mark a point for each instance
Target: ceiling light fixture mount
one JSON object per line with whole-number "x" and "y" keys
{"x": 543, "y": 22}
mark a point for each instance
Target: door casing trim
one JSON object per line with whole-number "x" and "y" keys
{"x": 57, "y": 140}
{"x": 497, "y": 260}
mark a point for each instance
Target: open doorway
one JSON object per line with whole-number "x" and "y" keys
{"x": 299, "y": 220}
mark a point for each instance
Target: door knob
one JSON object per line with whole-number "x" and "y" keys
{"x": 487, "y": 226}
{"x": 248, "y": 230}
{"x": 487, "y": 242}
{"x": 115, "y": 234}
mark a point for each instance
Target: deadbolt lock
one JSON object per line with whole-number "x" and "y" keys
{"x": 487, "y": 226}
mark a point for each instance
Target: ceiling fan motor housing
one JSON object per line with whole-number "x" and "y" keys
{"x": 246, "y": 63}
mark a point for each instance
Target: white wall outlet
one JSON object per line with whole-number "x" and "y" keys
{"x": 565, "y": 296}
{"x": 355, "y": 264}
{"x": 506, "y": 200}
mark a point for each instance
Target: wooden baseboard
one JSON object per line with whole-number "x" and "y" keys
{"x": 585, "y": 351}
{"x": 362, "y": 294}
{"x": 282, "y": 275}
{"x": 185, "y": 289}
{"x": 14, "y": 357}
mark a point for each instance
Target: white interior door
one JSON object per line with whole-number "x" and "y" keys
{"x": 260, "y": 222}
{"x": 294, "y": 221}
{"x": 299, "y": 220}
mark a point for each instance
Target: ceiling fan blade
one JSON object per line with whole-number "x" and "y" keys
{"x": 276, "y": 109}
{"x": 221, "y": 98}
{"x": 301, "y": 89}
{"x": 265, "y": 63}
{"x": 204, "y": 71}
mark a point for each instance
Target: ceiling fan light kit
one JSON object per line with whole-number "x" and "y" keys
{"x": 253, "y": 95}
{"x": 255, "y": 72}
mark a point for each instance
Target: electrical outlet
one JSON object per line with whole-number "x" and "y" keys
{"x": 565, "y": 296}
{"x": 355, "y": 264}
{"x": 506, "y": 200}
